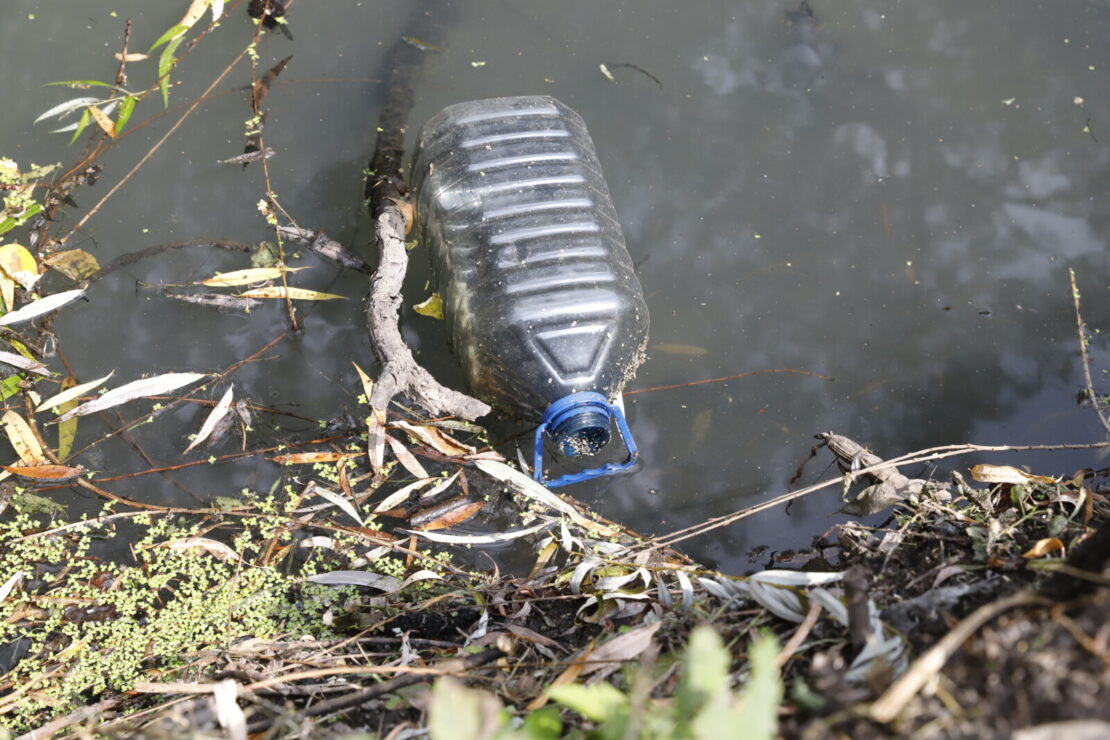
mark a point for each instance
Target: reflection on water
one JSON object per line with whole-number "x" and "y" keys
{"x": 886, "y": 194}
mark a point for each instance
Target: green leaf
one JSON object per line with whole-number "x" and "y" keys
{"x": 8, "y": 224}
{"x": 542, "y": 724}
{"x": 704, "y": 676}
{"x": 86, "y": 116}
{"x": 9, "y": 386}
{"x": 459, "y": 713}
{"x": 80, "y": 83}
{"x": 125, "y": 109}
{"x": 165, "y": 64}
{"x": 168, "y": 36}
{"x": 599, "y": 702}
{"x": 757, "y": 710}
{"x": 432, "y": 307}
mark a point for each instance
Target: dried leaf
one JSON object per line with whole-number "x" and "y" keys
{"x": 408, "y": 210}
{"x": 41, "y": 306}
{"x": 1006, "y": 474}
{"x": 11, "y": 358}
{"x": 339, "y": 501}
{"x": 155, "y": 386}
{"x": 1043, "y": 547}
{"x": 68, "y": 106}
{"x": 311, "y": 458}
{"x": 625, "y": 646}
{"x": 214, "y": 417}
{"x": 480, "y": 539}
{"x": 443, "y": 485}
{"x": 367, "y": 383}
{"x": 194, "y": 13}
{"x": 7, "y": 291}
{"x": 11, "y": 584}
{"x": 103, "y": 121}
{"x": 216, "y": 549}
{"x": 246, "y": 277}
{"x": 357, "y": 578}
{"x": 533, "y": 490}
{"x": 407, "y": 459}
{"x": 71, "y": 393}
{"x": 23, "y": 440}
{"x": 45, "y": 473}
{"x": 436, "y": 439}
{"x": 402, "y": 495}
{"x": 261, "y": 86}
{"x": 75, "y": 264}
{"x": 218, "y": 300}
{"x": 67, "y": 430}
{"x": 295, "y": 294}
{"x": 253, "y": 155}
{"x": 432, "y": 307}
{"x": 449, "y": 514}
{"x": 19, "y": 264}
{"x": 131, "y": 57}
{"x": 375, "y": 439}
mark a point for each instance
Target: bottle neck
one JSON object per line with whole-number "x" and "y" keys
{"x": 579, "y": 424}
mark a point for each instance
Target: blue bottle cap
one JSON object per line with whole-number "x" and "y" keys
{"x": 580, "y": 424}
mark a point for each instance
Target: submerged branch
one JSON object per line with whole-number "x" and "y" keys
{"x": 400, "y": 374}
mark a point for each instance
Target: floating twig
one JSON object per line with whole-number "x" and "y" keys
{"x": 1084, "y": 359}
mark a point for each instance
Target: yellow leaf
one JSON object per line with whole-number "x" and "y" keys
{"x": 296, "y": 294}
{"x": 18, "y": 264}
{"x": 432, "y": 307}
{"x": 67, "y": 430}
{"x": 103, "y": 121}
{"x": 1006, "y": 474}
{"x": 75, "y": 264}
{"x": 1043, "y": 547}
{"x": 7, "y": 291}
{"x": 408, "y": 211}
{"x": 246, "y": 277}
{"x": 367, "y": 383}
{"x": 45, "y": 473}
{"x": 303, "y": 458}
{"x": 23, "y": 439}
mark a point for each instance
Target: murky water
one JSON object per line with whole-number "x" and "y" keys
{"x": 889, "y": 195}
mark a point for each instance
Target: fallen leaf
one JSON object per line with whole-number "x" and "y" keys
{"x": 339, "y": 501}
{"x": 71, "y": 393}
{"x": 295, "y": 294}
{"x": 1006, "y": 474}
{"x": 407, "y": 459}
{"x": 103, "y": 121}
{"x": 11, "y": 358}
{"x": 401, "y": 495}
{"x": 19, "y": 264}
{"x": 75, "y": 264}
{"x": 432, "y": 307}
{"x": 218, "y": 300}
{"x": 155, "y": 386}
{"x": 214, "y": 417}
{"x": 625, "y": 646}
{"x": 45, "y": 473}
{"x": 1043, "y": 547}
{"x": 408, "y": 210}
{"x": 480, "y": 539}
{"x": 357, "y": 578}
{"x": 41, "y": 306}
{"x": 67, "y": 430}
{"x": 216, "y": 549}
{"x": 23, "y": 440}
{"x": 449, "y": 514}
{"x": 246, "y": 277}
{"x": 367, "y": 383}
{"x": 311, "y": 458}
{"x": 533, "y": 490}
{"x": 131, "y": 57}
{"x": 436, "y": 439}
{"x": 375, "y": 439}
{"x": 261, "y": 86}
{"x": 11, "y": 584}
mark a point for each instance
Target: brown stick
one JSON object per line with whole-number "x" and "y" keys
{"x": 1084, "y": 360}
{"x": 400, "y": 374}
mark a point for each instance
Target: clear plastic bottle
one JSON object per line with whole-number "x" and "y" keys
{"x": 545, "y": 312}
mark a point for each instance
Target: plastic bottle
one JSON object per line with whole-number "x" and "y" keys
{"x": 544, "y": 310}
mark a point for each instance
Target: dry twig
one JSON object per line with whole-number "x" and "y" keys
{"x": 1084, "y": 359}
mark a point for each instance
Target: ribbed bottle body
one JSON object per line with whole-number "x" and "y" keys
{"x": 537, "y": 284}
